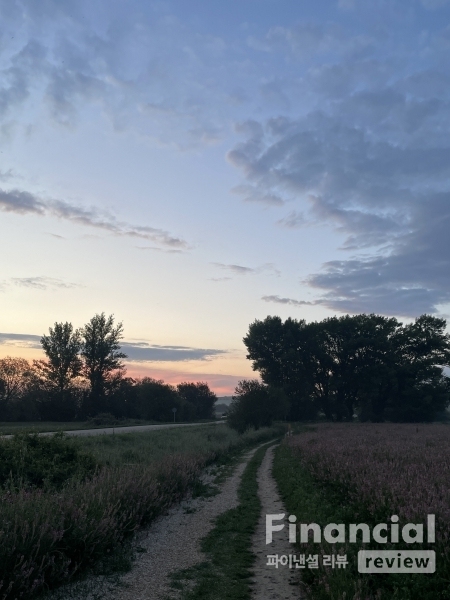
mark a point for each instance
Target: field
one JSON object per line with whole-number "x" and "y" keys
{"x": 365, "y": 473}
{"x": 73, "y": 502}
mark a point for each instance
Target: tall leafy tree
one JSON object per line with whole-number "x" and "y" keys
{"x": 280, "y": 352}
{"x": 102, "y": 358}
{"x": 62, "y": 348}
{"x": 368, "y": 365}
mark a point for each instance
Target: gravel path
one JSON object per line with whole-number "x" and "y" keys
{"x": 173, "y": 541}
{"x": 270, "y": 583}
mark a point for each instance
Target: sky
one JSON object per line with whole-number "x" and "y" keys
{"x": 190, "y": 167}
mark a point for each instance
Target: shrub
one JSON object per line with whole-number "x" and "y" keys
{"x": 29, "y": 460}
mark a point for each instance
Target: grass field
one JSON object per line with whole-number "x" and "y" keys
{"x": 49, "y": 536}
{"x": 365, "y": 473}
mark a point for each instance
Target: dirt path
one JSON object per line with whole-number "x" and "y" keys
{"x": 173, "y": 541}
{"x": 270, "y": 583}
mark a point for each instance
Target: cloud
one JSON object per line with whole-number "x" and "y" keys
{"x": 24, "y": 203}
{"x": 372, "y": 161}
{"x": 290, "y": 301}
{"x": 166, "y": 250}
{"x": 141, "y": 68}
{"x": 143, "y": 352}
{"x": 237, "y": 269}
{"x": 20, "y": 340}
{"x": 241, "y": 270}
{"x": 41, "y": 283}
{"x": 293, "y": 220}
{"x": 136, "y": 351}
{"x": 20, "y": 202}
{"x": 255, "y": 194}
{"x": 7, "y": 175}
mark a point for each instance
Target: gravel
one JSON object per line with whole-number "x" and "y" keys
{"x": 270, "y": 583}
{"x": 172, "y": 543}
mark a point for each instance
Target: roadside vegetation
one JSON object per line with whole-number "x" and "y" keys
{"x": 68, "y": 503}
{"x": 365, "y": 473}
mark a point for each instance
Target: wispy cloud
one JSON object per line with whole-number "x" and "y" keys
{"x": 290, "y": 301}
{"x": 294, "y": 220}
{"x": 25, "y": 203}
{"x": 219, "y": 278}
{"x": 166, "y": 250}
{"x": 40, "y": 283}
{"x": 242, "y": 270}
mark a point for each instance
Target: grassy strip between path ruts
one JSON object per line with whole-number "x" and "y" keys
{"x": 313, "y": 503}
{"x": 48, "y": 537}
{"x": 226, "y": 574}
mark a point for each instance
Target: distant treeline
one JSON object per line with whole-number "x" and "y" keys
{"x": 366, "y": 366}
{"x": 83, "y": 376}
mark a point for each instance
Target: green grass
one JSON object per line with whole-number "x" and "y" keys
{"x": 145, "y": 448}
{"x": 50, "y": 538}
{"x": 226, "y": 573}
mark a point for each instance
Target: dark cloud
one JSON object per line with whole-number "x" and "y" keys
{"x": 20, "y": 202}
{"x": 152, "y": 353}
{"x": 136, "y": 352}
{"x": 21, "y": 340}
{"x": 373, "y": 161}
{"x": 25, "y": 203}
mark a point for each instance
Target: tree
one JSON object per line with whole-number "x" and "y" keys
{"x": 156, "y": 399}
{"x": 62, "y": 347}
{"x": 200, "y": 397}
{"x": 281, "y": 354}
{"x": 14, "y": 377}
{"x": 256, "y": 405}
{"x": 421, "y": 349}
{"x": 368, "y": 365}
{"x": 100, "y": 350}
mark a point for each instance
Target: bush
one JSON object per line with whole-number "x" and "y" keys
{"x": 29, "y": 460}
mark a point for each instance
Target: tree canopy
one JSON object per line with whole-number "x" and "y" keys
{"x": 366, "y": 365}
